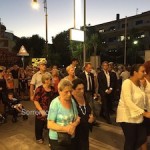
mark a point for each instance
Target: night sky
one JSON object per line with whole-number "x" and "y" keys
{"x": 21, "y": 19}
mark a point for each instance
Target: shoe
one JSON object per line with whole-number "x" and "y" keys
{"x": 40, "y": 141}
{"x": 108, "y": 121}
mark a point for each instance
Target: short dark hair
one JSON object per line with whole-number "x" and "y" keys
{"x": 74, "y": 59}
{"x": 76, "y": 82}
{"x": 135, "y": 67}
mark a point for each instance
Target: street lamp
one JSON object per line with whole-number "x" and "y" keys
{"x": 84, "y": 46}
{"x": 35, "y": 5}
{"x": 125, "y": 42}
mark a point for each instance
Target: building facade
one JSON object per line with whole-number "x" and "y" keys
{"x": 126, "y": 36}
{"x": 7, "y": 57}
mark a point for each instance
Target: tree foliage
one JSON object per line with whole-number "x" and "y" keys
{"x": 61, "y": 48}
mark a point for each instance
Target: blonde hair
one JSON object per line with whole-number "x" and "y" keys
{"x": 69, "y": 67}
{"x": 46, "y": 76}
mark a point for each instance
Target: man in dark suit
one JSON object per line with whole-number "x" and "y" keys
{"x": 89, "y": 84}
{"x": 106, "y": 87}
{"x": 74, "y": 64}
{"x": 115, "y": 85}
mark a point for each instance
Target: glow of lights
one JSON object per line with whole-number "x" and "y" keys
{"x": 135, "y": 42}
{"x": 77, "y": 35}
{"x": 35, "y": 4}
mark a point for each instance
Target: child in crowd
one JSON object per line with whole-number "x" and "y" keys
{"x": 15, "y": 107}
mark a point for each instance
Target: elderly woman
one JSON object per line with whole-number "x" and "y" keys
{"x": 42, "y": 98}
{"x": 130, "y": 111}
{"x": 71, "y": 73}
{"x": 62, "y": 116}
{"x": 86, "y": 117}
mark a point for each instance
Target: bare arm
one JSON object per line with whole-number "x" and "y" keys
{"x": 38, "y": 107}
{"x": 146, "y": 114}
{"x": 54, "y": 126}
{"x": 31, "y": 92}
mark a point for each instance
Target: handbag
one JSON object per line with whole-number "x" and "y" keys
{"x": 64, "y": 139}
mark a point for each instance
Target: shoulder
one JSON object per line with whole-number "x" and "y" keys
{"x": 73, "y": 101}
{"x": 127, "y": 83}
{"x": 55, "y": 102}
{"x": 37, "y": 74}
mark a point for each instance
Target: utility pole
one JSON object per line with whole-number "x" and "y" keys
{"x": 125, "y": 42}
{"x": 84, "y": 46}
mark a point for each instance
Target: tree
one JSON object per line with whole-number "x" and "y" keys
{"x": 94, "y": 41}
{"x": 76, "y": 49}
{"x": 61, "y": 48}
{"x": 34, "y": 45}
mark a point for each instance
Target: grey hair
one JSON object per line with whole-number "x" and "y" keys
{"x": 46, "y": 76}
{"x": 64, "y": 83}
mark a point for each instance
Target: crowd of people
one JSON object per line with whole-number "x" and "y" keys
{"x": 64, "y": 100}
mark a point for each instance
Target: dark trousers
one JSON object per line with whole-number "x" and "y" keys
{"x": 106, "y": 105}
{"x": 56, "y": 146}
{"x": 82, "y": 137}
{"x": 14, "y": 113}
{"x": 39, "y": 126}
{"x": 135, "y": 135}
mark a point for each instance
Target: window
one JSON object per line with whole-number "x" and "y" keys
{"x": 122, "y": 38}
{"x": 139, "y": 22}
{"x": 142, "y": 35}
{"x": 112, "y": 39}
{"x": 123, "y": 25}
{"x": 112, "y": 28}
{"x": 101, "y": 30}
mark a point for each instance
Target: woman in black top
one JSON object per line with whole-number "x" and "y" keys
{"x": 84, "y": 112}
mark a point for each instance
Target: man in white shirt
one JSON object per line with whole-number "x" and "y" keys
{"x": 106, "y": 87}
{"x": 36, "y": 78}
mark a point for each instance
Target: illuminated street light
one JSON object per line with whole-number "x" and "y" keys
{"x": 135, "y": 42}
{"x": 35, "y": 5}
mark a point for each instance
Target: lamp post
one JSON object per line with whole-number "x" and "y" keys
{"x": 84, "y": 46}
{"x": 125, "y": 42}
{"x": 35, "y": 6}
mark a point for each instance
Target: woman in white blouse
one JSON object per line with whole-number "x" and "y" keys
{"x": 130, "y": 111}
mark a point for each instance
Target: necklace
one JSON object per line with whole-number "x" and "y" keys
{"x": 83, "y": 110}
